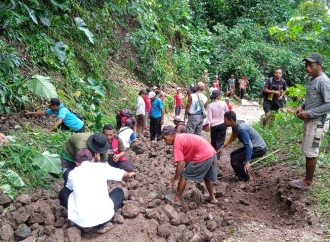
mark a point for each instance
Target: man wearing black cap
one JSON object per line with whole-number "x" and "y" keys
{"x": 65, "y": 118}
{"x": 86, "y": 194}
{"x": 196, "y": 161}
{"x": 96, "y": 143}
{"x": 313, "y": 112}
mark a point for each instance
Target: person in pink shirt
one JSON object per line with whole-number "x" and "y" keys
{"x": 178, "y": 101}
{"x": 215, "y": 118}
{"x": 216, "y": 82}
{"x": 229, "y": 105}
{"x": 147, "y": 102}
{"x": 196, "y": 161}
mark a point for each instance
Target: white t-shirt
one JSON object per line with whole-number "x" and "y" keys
{"x": 126, "y": 135}
{"x": 140, "y": 106}
{"x": 89, "y": 203}
{"x": 197, "y": 105}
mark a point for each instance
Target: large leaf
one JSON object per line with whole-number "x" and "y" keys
{"x": 59, "y": 49}
{"x": 42, "y": 86}
{"x": 31, "y": 13}
{"x": 48, "y": 162}
{"x": 62, "y": 4}
{"x": 83, "y": 27}
{"x": 45, "y": 21}
{"x": 14, "y": 178}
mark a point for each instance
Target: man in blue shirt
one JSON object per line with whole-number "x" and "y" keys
{"x": 156, "y": 116}
{"x": 65, "y": 118}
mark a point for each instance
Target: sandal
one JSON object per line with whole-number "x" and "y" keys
{"x": 169, "y": 198}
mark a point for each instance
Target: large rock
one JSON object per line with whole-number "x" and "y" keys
{"x": 138, "y": 147}
{"x": 41, "y": 207}
{"x": 6, "y": 232}
{"x": 130, "y": 210}
{"x": 25, "y": 199}
{"x": 221, "y": 189}
{"x": 36, "y": 218}
{"x": 22, "y": 215}
{"x": 50, "y": 219}
{"x": 59, "y": 235}
{"x": 117, "y": 218}
{"x": 170, "y": 212}
{"x": 74, "y": 234}
{"x": 164, "y": 230}
{"x": 4, "y": 199}
{"x": 23, "y": 231}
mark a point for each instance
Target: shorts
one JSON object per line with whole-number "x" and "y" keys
{"x": 197, "y": 172}
{"x": 308, "y": 137}
{"x": 142, "y": 120}
{"x": 270, "y": 106}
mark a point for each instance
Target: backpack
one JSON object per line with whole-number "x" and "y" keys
{"x": 125, "y": 112}
{"x": 77, "y": 114}
{"x": 271, "y": 82}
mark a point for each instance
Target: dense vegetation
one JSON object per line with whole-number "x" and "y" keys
{"x": 82, "y": 50}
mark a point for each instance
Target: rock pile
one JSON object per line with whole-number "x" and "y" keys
{"x": 39, "y": 217}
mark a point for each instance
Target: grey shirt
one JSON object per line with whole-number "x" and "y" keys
{"x": 317, "y": 101}
{"x": 231, "y": 82}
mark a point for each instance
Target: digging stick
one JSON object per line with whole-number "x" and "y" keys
{"x": 262, "y": 158}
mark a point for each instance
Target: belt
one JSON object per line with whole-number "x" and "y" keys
{"x": 189, "y": 114}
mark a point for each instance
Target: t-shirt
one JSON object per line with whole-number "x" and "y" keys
{"x": 242, "y": 84}
{"x": 231, "y": 82}
{"x": 230, "y": 107}
{"x": 216, "y": 84}
{"x": 192, "y": 148}
{"x": 89, "y": 203}
{"x": 69, "y": 119}
{"x": 77, "y": 142}
{"x": 198, "y": 100}
{"x": 216, "y": 112}
{"x": 127, "y": 135}
{"x": 178, "y": 100}
{"x": 156, "y": 108}
{"x": 147, "y": 102}
{"x": 140, "y": 106}
{"x": 276, "y": 86}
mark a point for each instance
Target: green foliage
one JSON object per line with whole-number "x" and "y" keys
{"x": 42, "y": 86}
{"x": 48, "y": 162}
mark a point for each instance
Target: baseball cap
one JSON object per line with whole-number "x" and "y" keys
{"x": 151, "y": 94}
{"x": 216, "y": 93}
{"x": 177, "y": 118}
{"x": 314, "y": 57}
{"x": 216, "y": 76}
{"x": 98, "y": 143}
{"x": 55, "y": 101}
{"x": 154, "y": 88}
{"x": 178, "y": 88}
{"x": 227, "y": 98}
{"x": 191, "y": 85}
{"x": 169, "y": 129}
{"x": 83, "y": 155}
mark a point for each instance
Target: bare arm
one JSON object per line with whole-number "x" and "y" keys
{"x": 179, "y": 169}
{"x": 58, "y": 123}
{"x": 3, "y": 139}
{"x": 188, "y": 107}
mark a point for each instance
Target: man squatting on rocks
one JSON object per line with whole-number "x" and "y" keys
{"x": 85, "y": 195}
{"x": 65, "y": 118}
{"x": 96, "y": 143}
{"x": 254, "y": 146}
{"x": 313, "y": 112}
{"x": 196, "y": 161}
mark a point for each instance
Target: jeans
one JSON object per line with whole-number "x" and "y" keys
{"x": 237, "y": 158}
{"x": 125, "y": 165}
{"x": 155, "y": 128}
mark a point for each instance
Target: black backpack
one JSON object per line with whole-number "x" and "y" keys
{"x": 77, "y": 114}
{"x": 125, "y": 112}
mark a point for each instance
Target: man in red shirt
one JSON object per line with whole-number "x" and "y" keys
{"x": 229, "y": 105}
{"x": 147, "y": 101}
{"x": 196, "y": 161}
{"x": 216, "y": 82}
{"x": 178, "y": 101}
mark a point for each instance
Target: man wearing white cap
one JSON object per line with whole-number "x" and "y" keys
{"x": 156, "y": 116}
{"x": 179, "y": 125}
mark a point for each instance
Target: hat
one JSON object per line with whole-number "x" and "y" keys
{"x": 191, "y": 85}
{"x": 151, "y": 94}
{"x": 178, "y": 88}
{"x": 227, "y": 99}
{"x": 83, "y": 155}
{"x": 216, "y": 93}
{"x": 142, "y": 92}
{"x": 98, "y": 143}
{"x": 128, "y": 122}
{"x": 216, "y": 76}
{"x": 315, "y": 57}
{"x": 169, "y": 129}
{"x": 177, "y": 118}
{"x": 205, "y": 71}
{"x": 55, "y": 101}
{"x": 154, "y": 88}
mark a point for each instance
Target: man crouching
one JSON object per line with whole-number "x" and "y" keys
{"x": 196, "y": 161}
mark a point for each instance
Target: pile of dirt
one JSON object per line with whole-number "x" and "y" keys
{"x": 266, "y": 205}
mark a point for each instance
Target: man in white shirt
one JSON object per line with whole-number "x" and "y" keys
{"x": 141, "y": 110}
{"x": 89, "y": 204}
{"x": 126, "y": 134}
{"x": 197, "y": 102}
